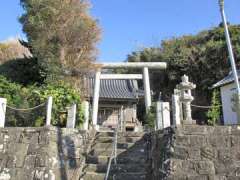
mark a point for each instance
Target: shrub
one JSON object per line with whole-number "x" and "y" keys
{"x": 151, "y": 117}
{"x": 18, "y": 97}
{"x": 63, "y": 96}
{"x": 235, "y": 105}
{"x": 213, "y": 113}
{"x": 23, "y": 71}
{"x": 30, "y": 96}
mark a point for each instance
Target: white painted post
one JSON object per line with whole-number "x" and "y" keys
{"x": 147, "y": 90}
{"x": 96, "y": 99}
{"x": 86, "y": 115}
{"x": 71, "y": 116}
{"x": 159, "y": 118}
{"x": 122, "y": 119}
{"x": 163, "y": 115}
{"x": 176, "y": 109}
{"x": 166, "y": 114}
{"x": 49, "y": 110}
{"x": 3, "y": 104}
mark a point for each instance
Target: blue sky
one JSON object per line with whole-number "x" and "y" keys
{"x": 130, "y": 25}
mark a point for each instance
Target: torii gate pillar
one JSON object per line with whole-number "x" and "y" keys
{"x": 96, "y": 98}
{"x": 147, "y": 90}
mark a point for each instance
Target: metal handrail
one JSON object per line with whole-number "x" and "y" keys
{"x": 114, "y": 148}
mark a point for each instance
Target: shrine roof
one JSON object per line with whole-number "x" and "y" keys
{"x": 116, "y": 89}
{"x": 227, "y": 80}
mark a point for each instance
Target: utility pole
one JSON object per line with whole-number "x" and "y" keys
{"x": 231, "y": 55}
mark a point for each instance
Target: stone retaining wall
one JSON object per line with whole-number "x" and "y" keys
{"x": 196, "y": 153}
{"x": 45, "y": 153}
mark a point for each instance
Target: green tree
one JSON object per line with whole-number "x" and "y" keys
{"x": 17, "y": 63}
{"x": 235, "y": 105}
{"x": 61, "y": 34}
{"x": 150, "y": 118}
{"x": 203, "y": 57}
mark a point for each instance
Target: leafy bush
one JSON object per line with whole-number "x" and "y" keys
{"x": 151, "y": 117}
{"x": 213, "y": 113}
{"x": 30, "y": 96}
{"x": 236, "y": 105}
{"x": 63, "y": 96}
{"x": 18, "y": 97}
{"x": 24, "y": 71}
{"x": 234, "y": 101}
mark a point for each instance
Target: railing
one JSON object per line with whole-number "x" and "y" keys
{"x": 114, "y": 145}
{"x": 4, "y": 106}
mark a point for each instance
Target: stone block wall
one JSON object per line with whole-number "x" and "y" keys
{"x": 45, "y": 153}
{"x": 193, "y": 152}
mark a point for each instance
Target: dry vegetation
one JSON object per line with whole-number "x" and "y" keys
{"x": 12, "y": 49}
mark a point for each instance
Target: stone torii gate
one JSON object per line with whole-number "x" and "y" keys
{"x": 145, "y": 66}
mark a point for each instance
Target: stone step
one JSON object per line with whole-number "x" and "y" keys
{"x": 119, "y": 168}
{"x": 110, "y": 145}
{"x": 105, "y": 152}
{"x": 105, "y": 134}
{"x": 137, "y": 159}
{"x": 120, "y": 134}
{"x": 137, "y": 150}
{"x": 107, "y": 139}
{"x": 131, "y": 176}
{"x": 132, "y": 134}
{"x": 105, "y": 129}
{"x": 92, "y": 176}
{"x": 125, "y": 176}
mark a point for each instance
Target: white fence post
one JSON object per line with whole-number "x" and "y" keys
{"x": 71, "y": 116}
{"x": 176, "y": 110}
{"x": 86, "y": 115}
{"x": 163, "y": 115}
{"x": 159, "y": 118}
{"x": 49, "y": 110}
{"x": 3, "y": 103}
{"x": 166, "y": 114}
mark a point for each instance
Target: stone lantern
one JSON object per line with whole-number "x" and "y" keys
{"x": 186, "y": 98}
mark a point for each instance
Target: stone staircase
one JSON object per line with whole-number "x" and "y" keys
{"x": 132, "y": 157}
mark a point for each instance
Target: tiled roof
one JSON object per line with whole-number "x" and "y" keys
{"x": 228, "y": 79}
{"x": 116, "y": 89}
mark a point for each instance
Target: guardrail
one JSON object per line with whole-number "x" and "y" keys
{"x": 114, "y": 145}
{"x": 3, "y": 102}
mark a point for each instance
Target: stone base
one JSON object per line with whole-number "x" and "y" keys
{"x": 196, "y": 152}
{"x": 189, "y": 122}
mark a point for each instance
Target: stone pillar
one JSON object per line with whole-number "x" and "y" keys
{"x": 86, "y": 115}
{"x": 3, "y": 104}
{"x": 71, "y": 116}
{"x": 186, "y": 98}
{"x": 96, "y": 98}
{"x": 166, "y": 114}
{"x": 163, "y": 115}
{"x": 159, "y": 118}
{"x": 134, "y": 112}
{"x": 147, "y": 90}
{"x": 49, "y": 111}
{"x": 176, "y": 108}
